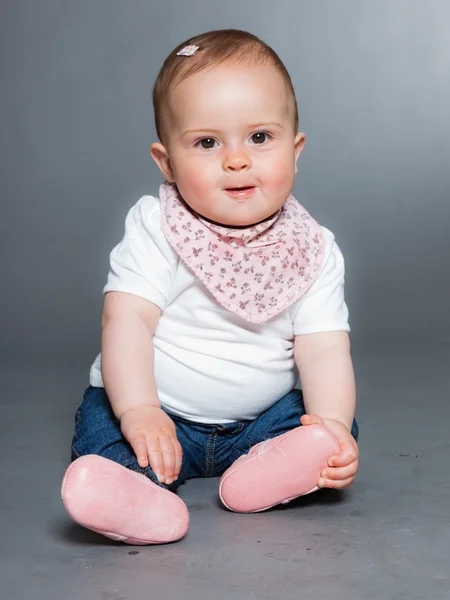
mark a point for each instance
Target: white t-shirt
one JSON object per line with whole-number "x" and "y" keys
{"x": 212, "y": 366}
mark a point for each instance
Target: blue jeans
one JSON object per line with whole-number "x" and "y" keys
{"x": 208, "y": 450}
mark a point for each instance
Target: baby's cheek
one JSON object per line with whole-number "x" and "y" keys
{"x": 197, "y": 175}
{"x": 188, "y": 178}
{"x": 195, "y": 186}
{"x": 282, "y": 174}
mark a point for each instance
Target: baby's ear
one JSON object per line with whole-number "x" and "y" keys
{"x": 299, "y": 143}
{"x": 161, "y": 158}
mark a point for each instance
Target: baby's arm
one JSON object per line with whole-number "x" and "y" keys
{"x": 326, "y": 373}
{"x": 329, "y": 393}
{"x": 128, "y": 325}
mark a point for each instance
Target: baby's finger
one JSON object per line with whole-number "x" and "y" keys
{"x": 178, "y": 458}
{"x": 330, "y": 483}
{"x": 340, "y": 473}
{"x": 311, "y": 420}
{"x": 347, "y": 455}
{"x": 139, "y": 446}
{"x": 168, "y": 453}
{"x": 155, "y": 456}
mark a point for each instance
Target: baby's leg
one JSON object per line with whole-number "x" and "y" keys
{"x": 277, "y": 459}
{"x": 106, "y": 490}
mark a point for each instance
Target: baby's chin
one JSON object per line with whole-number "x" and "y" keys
{"x": 235, "y": 221}
{"x": 234, "y": 214}
{"x": 242, "y": 215}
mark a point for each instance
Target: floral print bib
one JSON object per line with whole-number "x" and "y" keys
{"x": 255, "y": 272}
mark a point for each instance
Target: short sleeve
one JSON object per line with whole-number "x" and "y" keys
{"x": 143, "y": 263}
{"x": 323, "y": 307}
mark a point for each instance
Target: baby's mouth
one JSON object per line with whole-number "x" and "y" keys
{"x": 240, "y": 188}
{"x": 241, "y": 193}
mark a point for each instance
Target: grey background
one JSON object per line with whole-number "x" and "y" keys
{"x": 373, "y": 88}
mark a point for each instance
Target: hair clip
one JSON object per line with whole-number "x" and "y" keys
{"x": 188, "y": 50}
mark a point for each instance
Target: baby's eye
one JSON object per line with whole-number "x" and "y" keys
{"x": 260, "y": 137}
{"x": 206, "y": 143}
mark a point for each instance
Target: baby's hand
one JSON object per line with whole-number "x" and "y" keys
{"x": 152, "y": 435}
{"x": 343, "y": 466}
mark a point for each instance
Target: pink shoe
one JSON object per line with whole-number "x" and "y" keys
{"x": 278, "y": 470}
{"x": 122, "y": 504}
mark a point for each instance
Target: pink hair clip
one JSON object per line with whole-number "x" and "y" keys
{"x": 188, "y": 51}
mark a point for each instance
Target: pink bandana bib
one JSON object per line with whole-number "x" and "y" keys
{"x": 256, "y": 272}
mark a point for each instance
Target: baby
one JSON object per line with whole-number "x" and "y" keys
{"x": 225, "y": 347}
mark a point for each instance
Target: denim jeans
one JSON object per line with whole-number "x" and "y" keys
{"x": 208, "y": 449}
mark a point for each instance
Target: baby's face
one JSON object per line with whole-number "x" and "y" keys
{"x": 231, "y": 146}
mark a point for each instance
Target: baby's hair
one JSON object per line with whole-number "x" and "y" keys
{"x": 215, "y": 47}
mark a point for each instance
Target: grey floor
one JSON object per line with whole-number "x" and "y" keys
{"x": 387, "y": 537}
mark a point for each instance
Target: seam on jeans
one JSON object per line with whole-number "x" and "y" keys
{"x": 208, "y": 448}
{"x": 77, "y": 417}
{"x": 213, "y": 466}
{"x": 75, "y": 452}
{"x": 207, "y": 454}
{"x": 77, "y": 423}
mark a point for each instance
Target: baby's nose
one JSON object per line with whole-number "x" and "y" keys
{"x": 237, "y": 161}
